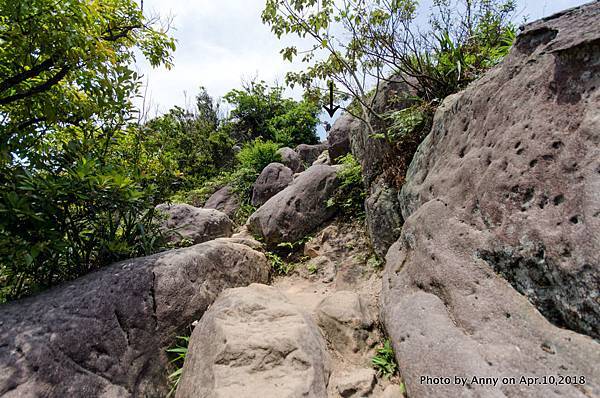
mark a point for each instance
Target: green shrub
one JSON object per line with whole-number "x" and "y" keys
{"x": 71, "y": 198}
{"x": 258, "y": 154}
{"x": 384, "y": 361}
{"x": 58, "y": 226}
{"x": 405, "y": 122}
{"x": 279, "y": 265}
{"x": 260, "y": 111}
{"x": 374, "y": 262}
{"x": 350, "y": 196}
{"x": 406, "y": 130}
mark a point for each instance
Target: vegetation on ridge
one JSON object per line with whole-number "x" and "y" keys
{"x": 82, "y": 169}
{"x": 370, "y": 43}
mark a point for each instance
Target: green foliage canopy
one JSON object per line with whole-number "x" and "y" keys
{"x": 262, "y": 111}
{"x": 72, "y": 194}
{"x": 366, "y": 41}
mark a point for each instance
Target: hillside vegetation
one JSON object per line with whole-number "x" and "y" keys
{"x": 441, "y": 241}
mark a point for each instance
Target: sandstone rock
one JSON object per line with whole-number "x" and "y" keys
{"x": 254, "y": 343}
{"x": 273, "y": 179}
{"x": 105, "y": 334}
{"x": 498, "y": 257}
{"x": 371, "y": 151}
{"x": 298, "y": 209}
{"x": 384, "y": 217}
{"x": 225, "y": 200}
{"x": 247, "y": 241}
{"x": 344, "y": 318}
{"x": 290, "y": 158}
{"x": 309, "y": 153}
{"x": 358, "y": 383}
{"x": 192, "y": 223}
{"x": 338, "y": 138}
{"x": 322, "y": 159}
{"x": 392, "y": 391}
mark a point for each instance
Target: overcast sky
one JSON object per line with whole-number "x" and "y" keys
{"x": 219, "y": 43}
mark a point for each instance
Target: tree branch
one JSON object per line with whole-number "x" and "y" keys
{"x": 47, "y": 85}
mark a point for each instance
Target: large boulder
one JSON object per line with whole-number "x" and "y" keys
{"x": 196, "y": 225}
{"x": 496, "y": 271}
{"x": 290, "y": 158}
{"x": 298, "y": 209}
{"x": 383, "y": 216}
{"x": 254, "y": 343}
{"x": 273, "y": 179}
{"x": 338, "y": 138}
{"x": 371, "y": 151}
{"x": 105, "y": 334}
{"x": 309, "y": 153}
{"x": 225, "y": 200}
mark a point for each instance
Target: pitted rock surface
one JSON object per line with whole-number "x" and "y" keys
{"x": 496, "y": 272}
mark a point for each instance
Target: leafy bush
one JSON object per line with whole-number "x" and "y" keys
{"x": 73, "y": 196}
{"x": 406, "y": 130}
{"x": 189, "y": 144}
{"x": 260, "y": 111}
{"x": 405, "y": 122}
{"x": 350, "y": 196}
{"x": 374, "y": 262}
{"x": 59, "y": 225}
{"x": 258, "y": 154}
{"x": 384, "y": 361}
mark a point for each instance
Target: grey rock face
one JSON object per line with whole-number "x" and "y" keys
{"x": 224, "y": 200}
{"x": 309, "y": 153}
{"x": 105, "y": 334}
{"x": 381, "y": 206}
{"x": 273, "y": 179}
{"x": 298, "y": 209}
{"x": 198, "y": 225}
{"x": 384, "y": 217}
{"x": 371, "y": 151}
{"x": 290, "y": 158}
{"x": 254, "y": 343}
{"x": 338, "y": 138}
{"x": 498, "y": 257}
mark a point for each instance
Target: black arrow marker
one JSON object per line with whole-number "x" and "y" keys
{"x": 331, "y": 108}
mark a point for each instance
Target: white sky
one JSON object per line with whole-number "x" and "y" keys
{"x": 221, "y": 42}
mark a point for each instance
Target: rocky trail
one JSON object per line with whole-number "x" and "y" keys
{"x": 491, "y": 274}
{"x": 312, "y": 332}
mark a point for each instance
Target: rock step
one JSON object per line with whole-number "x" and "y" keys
{"x": 254, "y": 342}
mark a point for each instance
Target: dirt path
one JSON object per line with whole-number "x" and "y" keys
{"x": 339, "y": 283}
